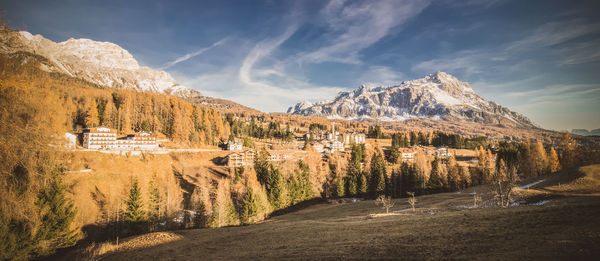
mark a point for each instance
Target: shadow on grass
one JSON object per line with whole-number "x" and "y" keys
{"x": 299, "y": 206}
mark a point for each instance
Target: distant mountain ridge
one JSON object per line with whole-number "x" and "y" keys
{"x": 438, "y": 96}
{"x": 584, "y": 132}
{"x": 102, "y": 63}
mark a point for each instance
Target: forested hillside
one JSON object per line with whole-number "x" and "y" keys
{"x": 81, "y": 104}
{"x": 36, "y": 109}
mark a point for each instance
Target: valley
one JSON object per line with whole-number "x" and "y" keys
{"x": 105, "y": 158}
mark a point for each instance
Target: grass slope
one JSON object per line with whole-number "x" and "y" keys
{"x": 441, "y": 228}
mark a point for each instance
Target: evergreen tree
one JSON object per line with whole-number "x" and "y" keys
{"x": 394, "y": 155}
{"x": 55, "y": 231}
{"x": 249, "y": 207}
{"x": 410, "y": 178}
{"x": 261, "y": 165}
{"x": 238, "y": 172}
{"x": 156, "y": 200}
{"x": 435, "y": 182}
{"x": 405, "y": 142}
{"x": 201, "y": 220}
{"x": 339, "y": 188}
{"x": 414, "y": 140}
{"x": 275, "y": 188}
{"x": 232, "y": 217}
{"x": 214, "y": 218}
{"x": 377, "y": 184}
{"x": 351, "y": 185}
{"x": 134, "y": 212}
{"x": 396, "y": 183}
{"x": 362, "y": 184}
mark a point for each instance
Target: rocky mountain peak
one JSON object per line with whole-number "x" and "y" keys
{"x": 102, "y": 63}
{"x": 438, "y": 96}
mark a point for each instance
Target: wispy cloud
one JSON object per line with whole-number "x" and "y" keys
{"x": 355, "y": 26}
{"x": 580, "y": 53}
{"x": 192, "y": 54}
{"x": 558, "y": 92}
{"x": 468, "y": 61}
{"x": 380, "y": 76}
{"x": 556, "y": 32}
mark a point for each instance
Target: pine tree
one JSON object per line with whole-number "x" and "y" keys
{"x": 156, "y": 200}
{"x": 340, "y": 187}
{"x": 299, "y": 186}
{"x": 395, "y": 181}
{"x": 55, "y": 231}
{"x": 261, "y": 166}
{"x": 249, "y": 207}
{"x": 362, "y": 184}
{"x": 214, "y": 219}
{"x": 377, "y": 184}
{"x": 232, "y": 218}
{"x": 275, "y": 188}
{"x": 200, "y": 218}
{"x": 134, "y": 212}
{"x": 351, "y": 184}
{"x": 435, "y": 182}
{"x": 394, "y": 155}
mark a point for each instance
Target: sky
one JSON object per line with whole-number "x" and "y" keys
{"x": 540, "y": 58}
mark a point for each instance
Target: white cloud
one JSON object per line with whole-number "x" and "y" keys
{"x": 580, "y": 53}
{"x": 380, "y": 76}
{"x": 554, "y": 33}
{"x": 192, "y": 54}
{"x": 558, "y": 92}
{"x": 470, "y": 62}
{"x": 356, "y": 26}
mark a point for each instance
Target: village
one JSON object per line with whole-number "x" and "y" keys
{"x": 325, "y": 142}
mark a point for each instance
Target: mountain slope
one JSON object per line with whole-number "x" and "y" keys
{"x": 438, "y": 96}
{"x": 102, "y": 63}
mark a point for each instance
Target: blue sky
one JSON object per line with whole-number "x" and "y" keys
{"x": 539, "y": 58}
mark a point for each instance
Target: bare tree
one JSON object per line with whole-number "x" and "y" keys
{"x": 504, "y": 181}
{"x": 412, "y": 200}
{"x": 385, "y": 202}
{"x": 476, "y": 198}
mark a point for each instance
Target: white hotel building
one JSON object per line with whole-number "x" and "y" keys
{"x": 99, "y": 138}
{"x": 106, "y": 138}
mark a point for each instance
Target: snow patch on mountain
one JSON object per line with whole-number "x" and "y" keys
{"x": 438, "y": 96}
{"x": 102, "y": 63}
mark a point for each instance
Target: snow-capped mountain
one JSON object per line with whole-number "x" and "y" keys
{"x": 102, "y": 63}
{"x": 438, "y": 96}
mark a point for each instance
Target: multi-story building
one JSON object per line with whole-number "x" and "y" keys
{"x": 106, "y": 138}
{"x": 234, "y": 146}
{"x": 140, "y": 140}
{"x": 99, "y": 138}
{"x": 337, "y": 146}
{"x": 240, "y": 159}
{"x": 442, "y": 152}
{"x": 407, "y": 154}
{"x": 354, "y": 138}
